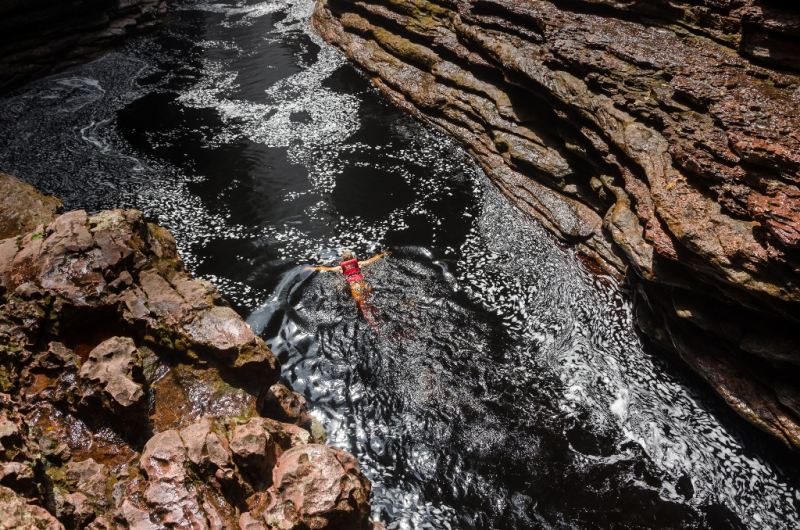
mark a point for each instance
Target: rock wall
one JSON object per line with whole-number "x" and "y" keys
{"x": 660, "y": 138}
{"x": 43, "y": 36}
{"x": 133, "y": 396}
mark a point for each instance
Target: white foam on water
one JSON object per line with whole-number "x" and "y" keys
{"x": 566, "y": 322}
{"x": 585, "y": 336}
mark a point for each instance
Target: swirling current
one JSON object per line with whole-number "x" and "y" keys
{"x": 505, "y": 386}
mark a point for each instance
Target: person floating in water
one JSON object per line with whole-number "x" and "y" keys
{"x": 359, "y": 287}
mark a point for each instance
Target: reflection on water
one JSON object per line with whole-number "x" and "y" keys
{"x": 506, "y": 387}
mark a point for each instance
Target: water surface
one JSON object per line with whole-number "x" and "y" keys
{"x": 506, "y": 387}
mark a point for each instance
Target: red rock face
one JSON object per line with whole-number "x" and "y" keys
{"x": 657, "y": 146}
{"x": 129, "y": 393}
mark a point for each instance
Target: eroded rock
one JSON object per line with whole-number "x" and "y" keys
{"x": 110, "y": 367}
{"x": 255, "y": 449}
{"x": 667, "y": 156}
{"x": 130, "y": 388}
{"x": 18, "y": 476}
{"x": 17, "y": 514}
{"x": 284, "y": 405}
{"x": 169, "y": 491}
{"x": 318, "y": 486}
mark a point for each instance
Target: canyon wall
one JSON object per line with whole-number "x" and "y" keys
{"x": 41, "y": 37}
{"x": 660, "y": 138}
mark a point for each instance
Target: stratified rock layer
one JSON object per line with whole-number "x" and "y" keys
{"x": 130, "y": 395}
{"x": 647, "y": 134}
{"x": 44, "y": 36}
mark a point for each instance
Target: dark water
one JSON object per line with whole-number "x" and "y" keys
{"x": 506, "y": 387}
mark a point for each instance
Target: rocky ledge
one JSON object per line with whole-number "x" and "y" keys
{"x": 661, "y": 138}
{"x": 133, "y": 396}
{"x": 43, "y": 36}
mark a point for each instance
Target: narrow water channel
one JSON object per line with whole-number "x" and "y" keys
{"x": 507, "y": 388}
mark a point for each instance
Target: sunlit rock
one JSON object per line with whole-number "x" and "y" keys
{"x": 130, "y": 388}
{"x": 318, "y": 486}
{"x": 110, "y": 366}
{"x": 18, "y": 514}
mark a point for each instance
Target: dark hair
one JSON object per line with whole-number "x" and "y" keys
{"x": 347, "y": 255}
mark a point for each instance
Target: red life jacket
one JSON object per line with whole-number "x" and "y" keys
{"x": 351, "y": 270}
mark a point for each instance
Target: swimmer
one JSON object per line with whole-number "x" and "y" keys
{"x": 359, "y": 288}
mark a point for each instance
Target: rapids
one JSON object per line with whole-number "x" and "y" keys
{"x": 506, "y": 386}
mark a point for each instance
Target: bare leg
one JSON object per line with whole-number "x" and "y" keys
{"x": 360, "y": 292}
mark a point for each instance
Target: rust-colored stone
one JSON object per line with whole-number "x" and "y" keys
{"x": 318, "y": 486}
{"x": 130, "y": 384}
{"x": 659, "y": 145}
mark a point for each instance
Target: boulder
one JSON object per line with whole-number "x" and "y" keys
{"x": 255, "y": 449}
{"x": 89, "y": 478}
{"x": 17, "y": 514}
{"x": 110, "y": 369}
{"x": 318, "y": 486}
{"x": 56, "y": 357}
{"x": 205, "y": 447}
{"x": 248, "y": 522}
{"x": 287, "y": 406}
{"x": 75, "y": 510}
{"x": 18, "y": 476}
{"x": 284, "y": 405}
{"x": 116, "y": 265}
{"x": 286, "y": 435}
{"x": 170, "y": 494}
{"x": 9, "y": 432}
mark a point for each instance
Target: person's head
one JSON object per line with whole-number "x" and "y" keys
{"x": 347, "y": 255}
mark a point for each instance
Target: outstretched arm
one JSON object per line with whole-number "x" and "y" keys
{"x": 372, "y": 259}
{"x": 324, "y": 269}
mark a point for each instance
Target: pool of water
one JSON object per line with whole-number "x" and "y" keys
{"x": 505, "y": 385}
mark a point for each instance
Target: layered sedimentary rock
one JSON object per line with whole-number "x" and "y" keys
{"x": 661, "y": 139}
{"x": 44, "y": 36}
{"x": 133, "y": 396}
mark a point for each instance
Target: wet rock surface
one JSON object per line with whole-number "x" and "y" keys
{"x": 42, "y": 37}
{"x": 651, "y": 136}
{"x": 130, "y": 393}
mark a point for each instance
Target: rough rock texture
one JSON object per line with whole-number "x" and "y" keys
{"x": 129, "y": 392}
{"x": 649, "y": 135}
{"x": 110, "y": 369}
{"x": 16, "y": 514}
{"x": 44, "y": 36}
{"x": 25, "y": 208}
{"x": 317, "y": 486}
